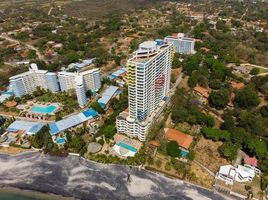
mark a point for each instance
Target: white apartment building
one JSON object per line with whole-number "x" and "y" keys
{"x": 182, "y": 44}
{"x": 241, "y": 174}
{"x": 26, "y": 83}
{"x": 80, "y": 90}
{"x": 149, "y": 71}
{"x": 81, "y": 82}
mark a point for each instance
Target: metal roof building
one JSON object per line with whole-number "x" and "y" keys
{"x": 107, "y": 96}
{"x": 27, "y": 127}
{"x": 117, "y": 73}
{"x": 57, "y": 127}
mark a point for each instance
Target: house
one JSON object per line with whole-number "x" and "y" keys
{"x": 237, "y": 86}
{"x": 241, "y": 174}
{"x": 202, "y": 92}
{"x": 227, "y": 174}
{"x": 252, "y": 163}
{"x": 244, "y": 174}
{"x": 183, "y": 140}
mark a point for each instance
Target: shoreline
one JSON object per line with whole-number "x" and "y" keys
{"x": 33, "y": 194}
{"x": 98, "y": 178}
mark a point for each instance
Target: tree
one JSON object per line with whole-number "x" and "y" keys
{"x": 216, "y": 134}
{"x": 264, "y": 111}
{"x": 247, "y": 97}
{"x": 219, "y": 99}
{"x": 229, "y": 150}
{"x": 32, "y": 54}
{"x": 254, "y": 71}
{"x": 256, "y": 147}
{"x": 263, "y": 164}
{"x": 109, "y": 131}
{"x": 215, "y": 84}
{"x": 42, "y": 138}
{"x": 238, "y": 135}
{"x": 89, "y": 94}
{"x": 77, "y": 143}
{"x": 173, "y": 149}
{"x": 228, "y": 123}
{"x": 176, "y": 61}
{"x": 96, "y": 106}
{"x": 191, "y": 155}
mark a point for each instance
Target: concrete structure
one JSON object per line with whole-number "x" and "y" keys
{"x": 25, "y": 127}
{"x": 182, "y": 44}
{"x": 241, "y": 174}
{"x": 148, "y": 85}
{"x": 107, "y": 95}
{"x": 27, "y": 83}
{"x": 81, "y": 82}
{"x": 80, "y": 91}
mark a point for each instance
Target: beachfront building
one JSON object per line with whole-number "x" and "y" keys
{"x": 27, "y": 83}
{"x": 72, "y": 121}
{"x": 80, "y": 91}
{"x": 229, "y": 174}
{"x": 81, "y": 82}
{"x": 182, "y": 44}
{"x": 148, "y": 72}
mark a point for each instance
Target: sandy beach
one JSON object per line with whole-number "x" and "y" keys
{"x": 75, "y": 177}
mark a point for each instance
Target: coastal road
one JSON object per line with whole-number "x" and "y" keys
{"x": 82, "y": 179}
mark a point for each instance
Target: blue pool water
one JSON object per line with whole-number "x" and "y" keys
{"x": 184, "y": 153}
{"x": 44, "y": 110}
{"x": 128, "y": 147}
{"x": 60, "y": 141}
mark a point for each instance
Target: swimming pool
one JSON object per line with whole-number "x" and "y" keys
{"x": 128, "y": 147}
{"x": 60, "y": 140}
{"x": 44, "y": 109}
{"x": 184, "y": 153}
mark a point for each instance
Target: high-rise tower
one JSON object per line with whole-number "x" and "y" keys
{"x": 149, "y": 72}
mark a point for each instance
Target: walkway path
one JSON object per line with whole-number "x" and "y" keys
{"x": 205, "y": 168}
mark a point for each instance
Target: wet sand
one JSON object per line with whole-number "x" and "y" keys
{"x": 75, "y": 177}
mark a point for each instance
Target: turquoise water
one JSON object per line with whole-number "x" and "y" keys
{"x": 60, "y": 141}
{"x": 184, "y": 153}
{"x": 44, "y": 110}
{"x": 128, "y": 147}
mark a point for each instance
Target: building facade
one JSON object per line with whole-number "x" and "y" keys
{"x": 182, "y": 44}
{"x": 27, "y": 83}
{"x": 149, "y": 72}
{"x": 81, "y": 82}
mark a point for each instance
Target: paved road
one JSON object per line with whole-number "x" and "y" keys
{"x": 73, "y": 176}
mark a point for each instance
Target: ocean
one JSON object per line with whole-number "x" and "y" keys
{"x": 17, "y": 194}
{"x": 14, "y": 196}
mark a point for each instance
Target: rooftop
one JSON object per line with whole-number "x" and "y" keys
{"x": 201, "y": 90}
{"x": 57, "y": 127}
{"x": 25, "y": 126}
{"x": 107, "y": 95}
{"x": 182, "y": 139}
{"x": 251, "y": 161}
{"x": 11, "y": 104}
{"x": 237, "y": 86}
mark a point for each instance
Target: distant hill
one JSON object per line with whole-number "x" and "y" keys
{"x": 97, "y": 8}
